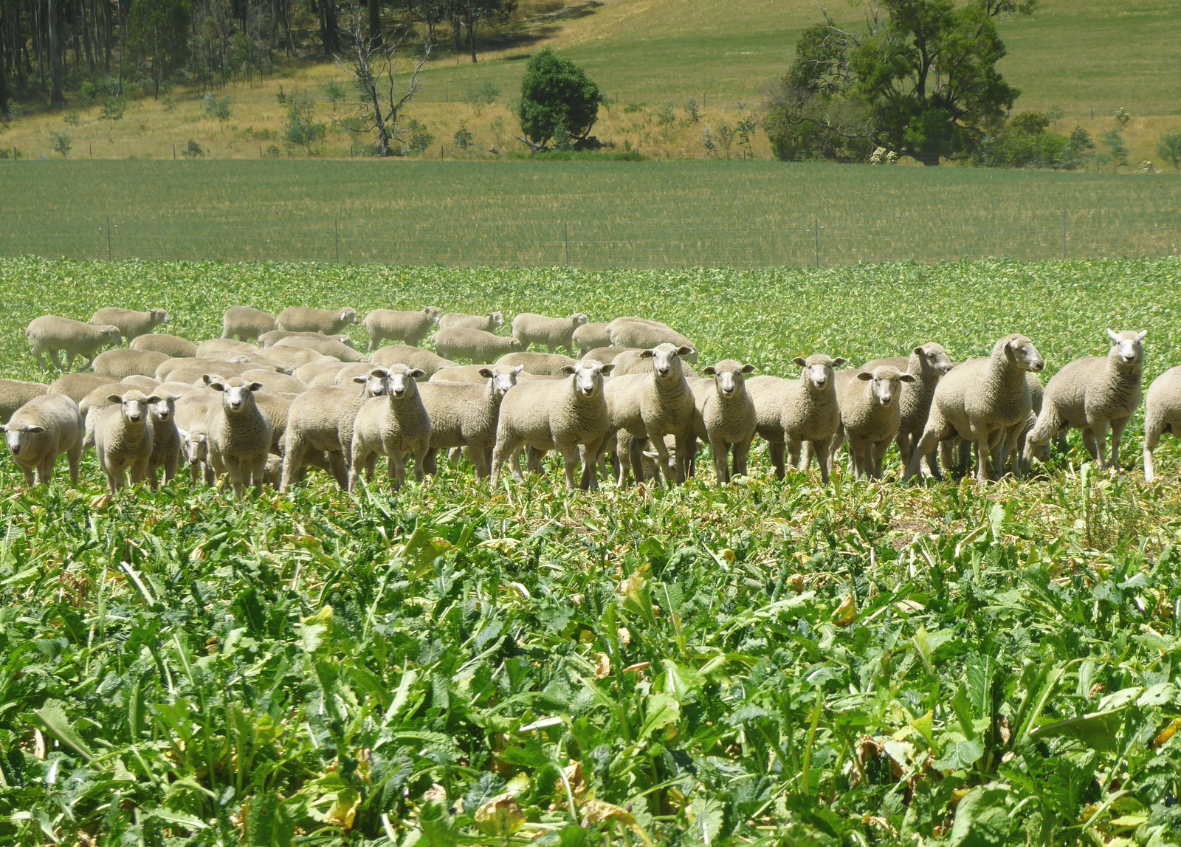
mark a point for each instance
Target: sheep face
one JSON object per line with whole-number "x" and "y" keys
{"x": 887, "y": 383}
{"x": 237, "y": 395}
{"x": 503, "y": 378}
{"x": 163, "y": 409}
{"x": 158, "y": 315}
{"x": 729, "y": 376}
{"x": 1021, "y": 352}
{"x": 588, "y": 376}
{"x": 111, "y": 334}
{"x": 817, "y": 374}
{"x": 194, "y": 445}
{"x": 666, "y": 360}
{"x": 14, "y": 434}
{"x": 134, "y": 406}
{"x": 345, "y": 340}
{"x": 935, "y": 357}
{"x": 374, "y": 382}
{"x": 497, "y": 318}
{"x": 1127, "y": 347}
{"x": 400, "y": 382}
{"x": 349, "y": 315}
{"x": 434, "y": 313}
{"x": 579, "y": 319}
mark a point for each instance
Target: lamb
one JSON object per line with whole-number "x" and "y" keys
{"x": 591, "y": 336}
{"x": 275, "y": 383}
{"x": 393, "y": 426}
{"x": 465, "y": 415}
{"x": 270, "y": 339}
{"x": 323, "y": 346}
{"x": 40, "y": 431}
{"x": 554, "y": 415}
{"x": 402, "y": 354}
{"x": 538, "y": 364}
{"x": 91, "y": 407}
{"x": 245, "y": 323}
{"x": 191, "y": 418}
{"x": 211, "y": 346}
{"x": 1162, "y": 413}
{"x": 792, "y": 411}
{"x": 475, "y": 344}
{"x": 131, "y": 324}
{"x": 927, "y": 363}
{"x": 77, "y": 386}
{"x": 292, "y": 358}
{"x": 724, "y": 416}
{"x": 123, "y": 437}
{"x": 322, "y": 419}
{"x": 14, "y": 393}
{"x": 172, "y": 346}
{"x": 635, "y": 332}
{"x": 870, "y": 405}
{"x": 489, "y": 322}
{"x": 980, "y": 397}
{"x": 239, "y": 433}
{"x": 550, "y": 333}
{"x": 409, "y": 327}
{"x": 121, "y": 363}
{"x": 166, "y": 440}
{"x": 326, "y": 321}
{"x": 50, "y": 333}
{"x": 1092, "y": 393}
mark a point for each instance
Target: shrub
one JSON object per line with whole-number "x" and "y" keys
{"x": 691, "y": 110}
{"x": 301, "y": 127}
{"x": 334, "y": 93}
{"x": 420, "y": 142}
{"x": 711, "y": 148}
{"x": 725, "y": 134}
{"x": 112, "y": 110}
{"x": 463, "y": 139}
{"x": 484, "y": 95}
{"x": 666, "y": 114}
{"x": 1117, "y": 150}
{"x": 1169, "y": 148}
{"x": 555, "y": 93}
{"x": 60, "y": 142}
{"x": 72, "y": 118}
{"x": 273, "y": 152}
{"x": 1027, "y": 142}
{"x": 219, "y": 109}
{"x": 193, "y": 150}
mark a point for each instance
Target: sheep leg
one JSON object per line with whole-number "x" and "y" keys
{"x": 793, "y": 454}
{"x": 41, "y": 361}
{"x": 682, "y": 455}
{"x": 505, "y": 448}
{"x": 982, "y": 454}
{"x": 234, "y": 472}
{"x": 114, "y": 480}
{"x": 259, "y": 473}
{"x": 396, "y": 469}
{"x": 57, "y": 362}
{"x": 822, "y": 448}
{"x": 801, "y": 462}
{"x": 662, "y": 459}
{"x": 721, "y": 454}
{"x": 904, "y": 447}
{"x": 1099, "y": 428}
{"x": 1117, "y": 435}
{"x": 777, "y": 449}
{"x": 419, "y": 470}
{"x": 927, "y": 443}
{"x": 45, "y": 471}
{"x": 431, "y": 460}
{"x": 1089, "y": 443}
{"x": 570, "y": 462}
{"x": 356, "y": 465}
{"x": 292, "y": 462}
{"x": 30, "y": 478}
{"x": 879, "y": 456}
{"x": 139, "y": 472}
{"x": 170, "y": 465}
{"x": 74, "y": 457}
{"x": 1153, "y": 428}
{"x": 371, "y": 466}
{"x": 593, "y": 457}
{"x": 741, "y": 451}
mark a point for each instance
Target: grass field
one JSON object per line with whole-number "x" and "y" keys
{"x": 774, "y": 663}
{"x": 591, "y": 215}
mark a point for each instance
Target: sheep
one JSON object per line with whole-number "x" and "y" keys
{"x": 634, "y": 332}
{"x": 145, "y": 384}
{"x": 475, "y": 344}
{"x": 538, "y": 364}
{"x": 343, "y": 378}
{"x": 91, "y": 406}
{"x": 195, "y": 375}
{"x": 977, "y": 399}
{"x": 792, "y": 411}
{"x": 724, "y": 415}
{"x": 239, "y": 433}
{"x": 550, "y": 333}
{"x": 402, "y": 354}
{"x": 77, "y": 386}
{"x": 14, "y": 393}
{"x": 210, "y": 346}
{"x": 327, "y": 321}
{"x": 270, "y": 339}
{"x": 179, "y": 389}
{"x": 393, "y": 426}
{"x": 309, "y": 372}
{"x": 489, "y": 322}
{"x": 166, "y": 440}
{"x": 870, "y": 406}
{"x": 465, "y": 415}
{"x": 123, "y": 437}
{"x": 408, "y": 327}
{"x": 608, "y": 353}
{"x": 168, "y": 367}
{"x": 170, "y": 345}
{"x": 121, "y": 363}
{"x": 1090, "y": 394}
{"x": 131, "y": 324}
{"x": 40, "y": 431}
{"x": 323, "y": 346}
{"x": 322, "y": 419}
{"x": 292, "y": 358}
{"x": 50, "y": 333}
{"x": 591, "y": 336}
{"x": 1162, "y": 413}
{"x": 275, "y": 383}
{"x": 631, "y": 361}
{"x": 327, "y": 376}
{"x": 927, "y": 363}
{"x": 245, "y": 323}
{"x": 191, "y": 418}
{"x": 475, "y": 373}
{"x": 554, "y": 415}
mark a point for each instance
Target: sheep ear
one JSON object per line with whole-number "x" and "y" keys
{"x": 153, "y": 398}
{"x": 685, "y": 350}
{"x": 213, "y": 381}
{"x": 1140, "y": 336}
{"x": 34, "y": 428}
{"x": 379, "y": 372}
{"x": 647, "y": 354}
{"x": 918, "y": 351}
{"x": 487, "y": 373}
{"x": 838, "y": 361}
{"x": 360, "y": 379}
{"x": 799, "y": 360}
{"x": 518, "y": 369}
{"x": 1112, "y": 336}
{"x": 114, "y": 398}
{"x": 255, "y": 386}
{"x": 416, "y": 373}
{"x": 607, "y": 368}
{"x": 569, "y": 370}
{"x": 748, "y": 369}
{"x": 864, "y": 376}
{"x": 907, "y": 378}
{"x": 709, "y": 371}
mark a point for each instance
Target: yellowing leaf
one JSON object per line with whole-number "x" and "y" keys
{"x": 846, "y": 613}
{"x": 500, "y": 816}
{"x": 344, "y": 810}
{"x": 602, "y": 665}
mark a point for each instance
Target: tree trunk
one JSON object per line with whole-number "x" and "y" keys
{"x": 39, "y": 28}
{"x": 106, "y": 4}
{"x": 57, "y": 100}
{"x": 86, "y": 35}
{"x": 471, "y": 32}
{"x": 77, "y": 40}
{"x": 287, "y": 27}
{"x": 3, "y": 70}
{"x": 375, "y": 23}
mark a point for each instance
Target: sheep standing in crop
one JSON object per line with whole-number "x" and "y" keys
{"x": 77, "y": 385}
{"x": 393, "y": 426}
{"x": 41, "y": 430}
{"x": 131, "y": 324}
{"x": 415, "y": 357}
{"x": 166, "y": 440}
{"x": 550, "y": 333}
{"x": 927, "y": 363}
{"x": 239, "y": 433}
{"x": 50, "y": 334}
{"x": 191, "y": 418}
{"x": 591, "y": 336}
{"x": 325, "y": 321}
{"x": 14, "y": 393}
{"x": 790, "y": 412}
{"x": 246, "y": 324}
{"x": 489, "y": 322}
{"x": 1162, "y": 413}
{"x": 870, "y": 404}
{"x": 172, "y": 346}
{"x": 123, "y": 437}
{"x": 465, "y": 414}
{"x": 91, "y": 407}
{"x": 724, "y": 416}
{"x": 323, "y": 346}
{"x": 407, "y": 327}
{"x": 122, "y": 363}
{"x": 479, "y": 346}
{"x": 557, "y": 415}
{"x": 1091, "y": 394}
{"x": 981, "y": 399}
{"x": 637, "y": 332}
{"x": 538, "y": 364}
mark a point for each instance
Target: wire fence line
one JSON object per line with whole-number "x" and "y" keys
{"x": 602, "y": 243}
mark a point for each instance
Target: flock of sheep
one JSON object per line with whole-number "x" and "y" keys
{"x": 278, "y": 394}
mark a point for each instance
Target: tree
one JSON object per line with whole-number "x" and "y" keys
{"x": 60, "y": 142}
{"x": 57, "y": 100}
{"x": 301, "y": 127}
{"x": 556, "y": 94}
{"x": 475, "y": 12}
{"x": 158, "y": 34}
{"x": 923, "y": 83}
{"x": 1169, "y": 148}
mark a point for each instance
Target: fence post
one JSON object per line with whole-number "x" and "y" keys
{"x": 816, "y": 232}
{"x": 108, "y": 238}
{"x": 1064, "y": 234}
{"x": 566, "y": 240}
{"x": 337, "y": 224}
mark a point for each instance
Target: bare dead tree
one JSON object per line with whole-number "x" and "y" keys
{"x": 370, "y": 62}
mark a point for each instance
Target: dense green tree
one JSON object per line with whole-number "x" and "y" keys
{"x": 158, "y": 36}
{"x": 556, "y": 95}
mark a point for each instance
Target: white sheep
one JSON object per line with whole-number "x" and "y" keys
{"x": 122, "y": 363}
{"x": 724, "y": 416}
{"x": 196, "y": 373}
{"x": 14, "y": 393}
{"x": 475, "y": 344}
{"x": 638, "y": 332}
{"x": 245, "y": 323}
{"x": 489, "y": 322}
{"x": 91, "y": 406}
{"x": 870, "y": 405}
{"x": 538, "y": 364}
{"x": 1162, "y": 413}
{"x": 978, "y": 398}
{"x": 323, "y": 346}
{"x": 393, "y": 426}
{"x": 211, "y": 346}
{"x": 475, "y": 373}
{"x": 292, "y": 358}
{"x": 1090, "y": 394}
{"x": 927, "y": 363}
{"x": 414, "y": 357}
{"x": 306, "y": 373}
{"x": 630, "y": 360}
{"x": 408, "y": 327}
{"x": 172, "y": 346}
{"x": 50, "y": 333}
{"x": 557, "y": 415}
{"x": 791, "y": 412}
{"x": 270, "y": 339}
{"x": 166, "y": 440}
{"x": 168, "y": 367}
{"x": 465, "y": 414}
{"x": 131, "y": 324}
{"x": 275, "y": 383}
{"x": 591, "y": 336}
{"x": 191, "y": 418}
{"x": 326, "y": 321}
{"x": 41, "y": 430}
{"x": 239, "y": 433}
{"x": 76, "y": 386}
{"x": 547, "y": 332}
{"x": 123, "y": 437}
